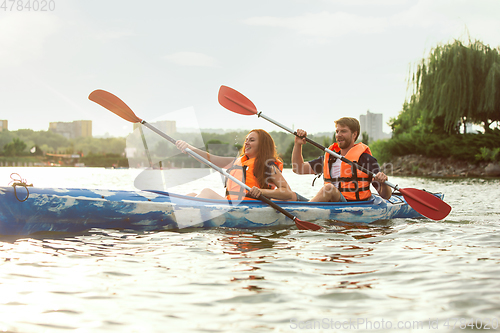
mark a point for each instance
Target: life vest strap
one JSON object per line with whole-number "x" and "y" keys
{"x": 361, "y": 188}
{"x": 242, "y": 192}
{"x": 317, "y": 176}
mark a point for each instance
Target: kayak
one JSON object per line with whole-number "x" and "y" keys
{"x": 26, "y": 210}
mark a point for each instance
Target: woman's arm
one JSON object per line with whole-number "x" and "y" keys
{"x": 282, "y": 190}
{"x": 220, "y": 161}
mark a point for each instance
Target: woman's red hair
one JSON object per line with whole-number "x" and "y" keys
{"x": 266, "y": 155}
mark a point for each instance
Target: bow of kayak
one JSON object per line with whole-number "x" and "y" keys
{"x": 27, "y": 210}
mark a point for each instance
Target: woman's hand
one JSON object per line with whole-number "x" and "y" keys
{"x": 182, "y": 145}
{"x": 255, "y": 192}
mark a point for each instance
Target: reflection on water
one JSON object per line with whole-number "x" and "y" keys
{"x": 165, "y": 278}
{"x": 227, "y": 280}
{"x": 240, "y": 242}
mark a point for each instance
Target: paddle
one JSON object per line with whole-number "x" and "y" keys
{"x": 118, "y": 107}
{"x": 423, "y": 202}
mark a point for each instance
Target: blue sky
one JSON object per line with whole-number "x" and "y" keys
{"x": 304, "y": 63}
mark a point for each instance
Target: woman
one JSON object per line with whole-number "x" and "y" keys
{"x": 258, "y": 166}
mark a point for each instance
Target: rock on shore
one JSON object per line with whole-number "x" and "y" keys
{"x": 418, "y": 165}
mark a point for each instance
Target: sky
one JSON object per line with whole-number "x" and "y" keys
{"x": 303, "y": 63}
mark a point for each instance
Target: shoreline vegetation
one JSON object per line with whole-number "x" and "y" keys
{"x": 436, "y": 167}
{"x": 479, "y": 162}
{"x": 456, "y": 87}
{"x": 404, "y": 166}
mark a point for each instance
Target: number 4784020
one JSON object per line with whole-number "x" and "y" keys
{"x": 27, "y": 5}
{"x": 472, "y": 323}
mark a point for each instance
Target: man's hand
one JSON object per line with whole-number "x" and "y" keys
{"x": 300, "y": 138}
{"x": 380, "y": 177}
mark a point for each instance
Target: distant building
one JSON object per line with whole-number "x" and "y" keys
{"x": 4, "y": 125}
{"x": 372, "y": 124}
{"x": 469, "y": 128}
{"x": 168, "y": 127}
{"x": 75, "y": 129}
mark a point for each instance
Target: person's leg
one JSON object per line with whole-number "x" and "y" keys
{"x": 299, "y": 197}
{"x": 209, "y": 194}
{"x": 328, "y": 193}
{"x": 342, "y": 198}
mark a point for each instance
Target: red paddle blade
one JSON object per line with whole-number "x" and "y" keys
{"x": 426, "y": 203}
{"x": 303, "y": 225}
{"x": 235, "y": 101}
{"x": 114, "y": 104}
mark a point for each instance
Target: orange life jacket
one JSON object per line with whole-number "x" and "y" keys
{"x": 242, "y": 169}
{"x": 353, "y": 183}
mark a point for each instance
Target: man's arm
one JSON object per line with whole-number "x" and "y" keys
{"x": 382, "y": 188}
{"x": 371, "y": 163}
{"x": 298, "y": 165}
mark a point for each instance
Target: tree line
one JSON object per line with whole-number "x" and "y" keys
{"x": 458, "y": 84}
{"x": 148, "y": 146}
{"x": 26, "y": 142}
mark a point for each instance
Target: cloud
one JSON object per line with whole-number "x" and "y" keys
{"x": 23, "y": 36}
{"x": 438, "y": 16}
{"x": 479, "y": 18}
{"x": 115, "y": 34}
{"x": 193, "y": 59}
{"x": 355, "y": 3}
{"x": 324, "y": 24}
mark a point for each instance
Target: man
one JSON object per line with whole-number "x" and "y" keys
{"x": 343, "y": 181}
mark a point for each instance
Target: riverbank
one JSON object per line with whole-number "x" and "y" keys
{"x": 418, "y": 165}
{"x": 408, "y": 165}
{"x": 66, "y": 160}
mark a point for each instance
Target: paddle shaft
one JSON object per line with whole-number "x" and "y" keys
{"x": 323, "y": 148}
{"x": 221, "y": 171}
{"x": 423, "y": 202}
{"x": 418, "y": 200}
{"x": 146, "y": 147}
{"x": 118, "y": 107}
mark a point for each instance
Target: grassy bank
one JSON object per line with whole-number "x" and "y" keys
{"x": 105, "y": 161}
{"x": 472, "y": 148}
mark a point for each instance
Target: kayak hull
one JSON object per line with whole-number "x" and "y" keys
{"x": 75, "y": 210}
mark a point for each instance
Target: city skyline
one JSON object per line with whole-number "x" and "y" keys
{"x": 71, "y": 130}
{"x": 167, "y": 126}
{"x": 372, "y": 124}
{"x": 300, "y": 62}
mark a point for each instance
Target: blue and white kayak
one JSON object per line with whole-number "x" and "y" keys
{"x": 76, "y": 210}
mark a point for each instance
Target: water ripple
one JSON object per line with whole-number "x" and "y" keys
{"x": 226, "y": 280}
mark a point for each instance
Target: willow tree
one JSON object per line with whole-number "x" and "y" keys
{"x": 458, "y": 83}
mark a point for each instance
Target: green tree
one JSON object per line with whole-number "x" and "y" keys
{"x": 218, "y": 147}
{"x": 457, "y": 83}
{"x": 53, "y": 140}
{"x": 309, "y": 152}
{"x": 327, "y": 141}
{"x": 14, "y": 148}
{"x": 365, "y": 138}
{"x": 37, "y": 151}
{"x": 5, "y": 137}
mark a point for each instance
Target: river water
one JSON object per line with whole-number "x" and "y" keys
{"x": 395, "y": 275}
